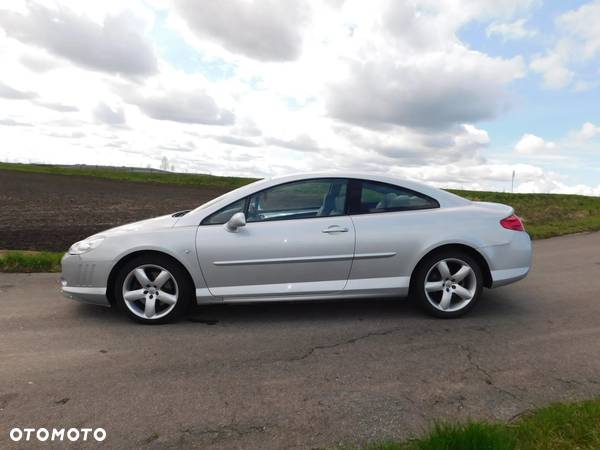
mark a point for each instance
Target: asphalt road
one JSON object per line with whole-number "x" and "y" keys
{"x": 300, "y": 375}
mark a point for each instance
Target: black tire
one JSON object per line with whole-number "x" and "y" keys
{"x": 428, "y": 264}
{"x": 184, "y": 287}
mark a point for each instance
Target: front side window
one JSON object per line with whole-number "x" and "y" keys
{"x": 223, "y": 215}
{"x": 299, "y": 200}
{"x": 382, "y": 197}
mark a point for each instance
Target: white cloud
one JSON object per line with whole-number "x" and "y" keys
{"x": 14, "y": 123}
{"x": 37, "y": 61}
{"x": 179, "y": 97}
{"x": 547, "y": 185}
{"x": 114, "y": 46}
{"x": 588, "y": 131}
{"x": 578, "y": 44}
{"x": 434, "y": 91}
{"x": 532, "y": 145}
{"x": 237, "y": 140}
{"x": 266, "y": 30}
{"x": 403, "y": 147}
{"x": 581, "y": 25}
{"x": 553, "y": 67}
{"x": 302, "y": 143}
{"x": 409, "y": 68}
{"x": 585, "y": 85}
{"x": 10, "y": 92}
{"x": 510, "y": 30}
{"x": 110, "y": 116}
{"x": 57, "y": 106}
{"x": 182, "y": 106}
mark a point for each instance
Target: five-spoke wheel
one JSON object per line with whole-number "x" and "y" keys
{"x": 150, "y": 291}
{"x": 448, "y": 283}
{"x": 153, "y": 289}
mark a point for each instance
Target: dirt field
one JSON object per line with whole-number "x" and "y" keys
{"x": 50, "y": 212}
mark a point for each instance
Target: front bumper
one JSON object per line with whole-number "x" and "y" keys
{"x": 84, "y": 280}
{"x": 94, "y": 296}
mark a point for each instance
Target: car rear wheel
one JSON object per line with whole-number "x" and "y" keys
{"x": 448, "y": 283}
{"x": 153, "y": 289}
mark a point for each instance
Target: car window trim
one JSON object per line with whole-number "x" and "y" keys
{"x": 247, "y": 202}
{"x": 345, "y": 213}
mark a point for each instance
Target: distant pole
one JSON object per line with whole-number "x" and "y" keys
{"x": 512, "y": 184}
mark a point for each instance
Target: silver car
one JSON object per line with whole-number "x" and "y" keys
{"x": 304, "y": 237}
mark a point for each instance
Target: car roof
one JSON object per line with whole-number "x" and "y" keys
{"x": 444, "y": 197}
{"x": 350, "y": 174}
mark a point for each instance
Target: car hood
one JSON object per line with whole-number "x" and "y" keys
{"x": 154, "y": 223}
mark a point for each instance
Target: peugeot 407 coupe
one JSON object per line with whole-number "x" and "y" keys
{"x": 304, "y": 237}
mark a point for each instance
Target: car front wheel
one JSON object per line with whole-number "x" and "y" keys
{"x": 153, "y": 289}
{"x": 448, "y": 284}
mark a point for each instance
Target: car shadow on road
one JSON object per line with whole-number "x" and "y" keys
{"x": 497, "y": 303}
{"x": 373, "y": 309}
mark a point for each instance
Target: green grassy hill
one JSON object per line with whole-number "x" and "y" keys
{"x": 547, "y": 215}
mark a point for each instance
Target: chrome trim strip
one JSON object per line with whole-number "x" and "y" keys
{"x": 283, "y": 260}
{"x": 303, "y": 259}
{"x": 374, "y": 255}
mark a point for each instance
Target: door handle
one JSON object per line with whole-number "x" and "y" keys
{"x": 335, "y": 229}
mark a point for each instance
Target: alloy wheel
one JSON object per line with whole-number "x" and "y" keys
{"x": 450, "y": 285}
{"x": 150, "y": 291}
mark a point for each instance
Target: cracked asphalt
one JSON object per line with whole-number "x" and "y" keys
{"x": 299, "y": 375}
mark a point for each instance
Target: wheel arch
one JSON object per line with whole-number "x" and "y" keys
{"x": 474, "y": 253}
{"x": 128, "y": 257}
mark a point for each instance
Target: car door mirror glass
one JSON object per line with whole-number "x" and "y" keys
{"x": 236, "y": 221}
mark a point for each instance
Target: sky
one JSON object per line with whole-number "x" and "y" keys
{"x": 454, "y": 93}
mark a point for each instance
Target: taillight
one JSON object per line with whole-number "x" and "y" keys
{"x": 512, "y": 223}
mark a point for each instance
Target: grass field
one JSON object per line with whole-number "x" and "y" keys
{"x": 207, "y": 181}
{"x": 545, "y": 215}
{"x": 28, "y": 262}
{"x": 560, "y": 426}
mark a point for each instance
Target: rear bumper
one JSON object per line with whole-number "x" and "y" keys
{"x": 507, "y": 276}
{"x": 510, "y": 262}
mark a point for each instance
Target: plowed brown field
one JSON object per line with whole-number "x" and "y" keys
{"x": 50, "y": 212}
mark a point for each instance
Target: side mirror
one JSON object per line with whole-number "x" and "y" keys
{"x": 236, "y": 221}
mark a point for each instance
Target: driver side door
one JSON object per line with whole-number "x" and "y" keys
{"x": 297, "y": 240}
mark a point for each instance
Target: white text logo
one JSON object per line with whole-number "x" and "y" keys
{"x": 57, "y": 434}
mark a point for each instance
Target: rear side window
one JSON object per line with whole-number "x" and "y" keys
{"x": 377, "y": 197}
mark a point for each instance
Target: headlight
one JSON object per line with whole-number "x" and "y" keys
{"x": 86, "y": 245}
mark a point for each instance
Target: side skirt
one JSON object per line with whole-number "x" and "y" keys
{"x": 357, "y": 288}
